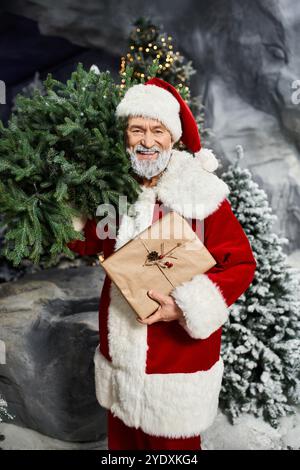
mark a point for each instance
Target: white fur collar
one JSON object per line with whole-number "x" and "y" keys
{"x": 188, "y": 188}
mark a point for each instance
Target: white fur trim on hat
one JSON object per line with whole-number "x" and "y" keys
{"x": 152, "y": 102}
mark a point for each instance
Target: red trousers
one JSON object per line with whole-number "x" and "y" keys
{"x": 122, "y": 437}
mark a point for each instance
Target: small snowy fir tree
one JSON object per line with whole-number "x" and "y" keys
{"x": 4, "y": 415}
{"x": 261, "y": 341}
{"x": 29, "y": 90}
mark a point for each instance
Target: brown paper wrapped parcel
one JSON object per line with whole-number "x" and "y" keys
{"x": 161, "y": 257}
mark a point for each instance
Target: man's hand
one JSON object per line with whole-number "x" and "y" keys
{"x": 167, "y": 311}
{"x": 79, "y": 222}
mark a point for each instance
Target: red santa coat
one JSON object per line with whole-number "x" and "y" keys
{"x": 165, "y": 378}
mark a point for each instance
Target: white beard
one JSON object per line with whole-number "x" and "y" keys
{"x": 149, "y": 168}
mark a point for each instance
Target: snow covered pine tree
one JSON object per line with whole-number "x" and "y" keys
{"x": 261, "y": 340}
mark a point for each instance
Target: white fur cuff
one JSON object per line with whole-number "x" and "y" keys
{"x": 203, "y": 305}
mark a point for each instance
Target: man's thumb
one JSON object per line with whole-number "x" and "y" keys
{"x": 156, "y": 296}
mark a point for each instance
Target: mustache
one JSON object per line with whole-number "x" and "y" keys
{"x": 141, "y": 148}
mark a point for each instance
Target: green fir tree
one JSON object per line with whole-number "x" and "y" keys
{"x": 61, "y": 154}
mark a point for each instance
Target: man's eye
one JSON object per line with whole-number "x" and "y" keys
{"x": 158, "y": 132}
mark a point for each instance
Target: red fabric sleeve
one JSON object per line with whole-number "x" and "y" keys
{"x": 226, "y": 240}
{"x": 204, "y": 300}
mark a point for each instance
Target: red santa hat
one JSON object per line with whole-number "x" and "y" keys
{"x": 158, "y": 99}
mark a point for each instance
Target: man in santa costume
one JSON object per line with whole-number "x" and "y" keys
{"x": 160, "y": 378}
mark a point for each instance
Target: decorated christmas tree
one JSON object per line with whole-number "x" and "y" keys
{"x": 261, "y": 341}
{"x": 148, "y": 45}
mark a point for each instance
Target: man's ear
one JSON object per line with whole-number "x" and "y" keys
{"x": 172, "y": 141}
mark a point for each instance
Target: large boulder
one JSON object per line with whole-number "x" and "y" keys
{"x": 49, "y": 324}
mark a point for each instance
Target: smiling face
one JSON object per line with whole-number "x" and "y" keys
{"x": 147, "y": 137}
{"x": 149, "y": 144}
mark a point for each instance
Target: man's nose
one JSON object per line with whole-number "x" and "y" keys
{"x": 148, "y": 140}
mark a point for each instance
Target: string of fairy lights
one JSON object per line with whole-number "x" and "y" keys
{"x": 143, "y": 54}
